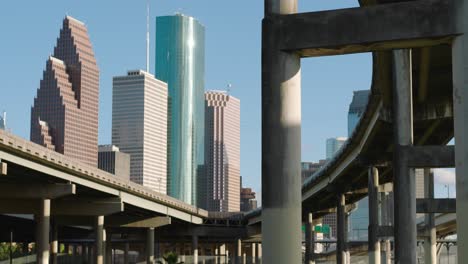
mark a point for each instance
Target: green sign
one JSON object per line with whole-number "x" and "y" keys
{"x": 325, "y": 229}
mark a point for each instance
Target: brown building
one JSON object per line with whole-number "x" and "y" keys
{"x": 248, "y": 201}
{"x": 309, "y": 168}
{"x": 220, "y": 187}
{"x": 64, "y": 116}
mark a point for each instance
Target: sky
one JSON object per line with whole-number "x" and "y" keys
{"x": 117, "y": 28}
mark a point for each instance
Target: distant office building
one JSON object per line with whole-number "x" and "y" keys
{"x": 309, "y": 168}
{"x": 180, "y": 62}
{"x": 219, "y": 188}
{"x": 333, "y": 145}
{"x": 357, "y": 108}
{"x": 110, "y": 159}
{"x": 3, "y": 121}
{"x": 64, "y": 117}
{"x": 139, "y": 126}
{"x": 248, "y": 201}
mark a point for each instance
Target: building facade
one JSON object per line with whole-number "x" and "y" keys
{"x": 248, "y": 201}
{"x": 64, "y": 116}
{"x": 3, "y": 121}
{"x": 139, "y": 126}
{"x": 219, "y": 188}
{"x": 357, "y": 108}
{"x": 333, "y": 145}
{"x": 180, "y": 62}
{"x": 110, "y": 159}
{"x": 309, "y": 168}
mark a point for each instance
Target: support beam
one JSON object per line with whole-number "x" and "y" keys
{"x": 150, "y": 246}
{"x": 431, "y": 205}
{"x": 404, "y": 178}
{"x": 195, "y": 248}
{"x": 430, "y": 243}
{"x": 153, "y": 222}
{"x": 460, "y": 102}
{"x": 281, "y": 142}
{"x": 90, "y": 207}
{"x": 429, "y": 156}
{"x": 43, "y": 225}
{"x": 309, "y": 240}
{"x": 36, "y": 191}
{"x": 374, "y": 243}
{"x": 341, "y": 230}
{"x": 99, "y": 240}
{"x": 370, "y": 28}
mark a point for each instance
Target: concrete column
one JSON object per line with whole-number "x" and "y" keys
{"x": 43, "y": 229}
{"x": 341, "y": 231}
{"x": 99, "y": 240}
{"x": 126, "y": 249}
{"x": 374, "y": 244}
{"x": 195, "y": 248}
{"x": 54, "y": 246}
{"x": 90, "y": 254}
{"x": 75, "y": 250}
{"x": 281, "y": 143}
{"x": 222, "y": 252}
{"x": 388, "y": 252}
{"x": 404, "y": 178}
{"x": 150, "y": 246}
{"x": 254, "y": 254}
{"x": 309, "y": 241}
{"x": 216, "y": 255}
{"x": 259, "y": 253}
{"x": 430, "y": 239}
{"x": 239, "y": 251}
{"x": 108, "y": 248}
{"x": 244, "y": 258}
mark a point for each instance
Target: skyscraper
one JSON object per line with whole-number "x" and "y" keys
{"x": 220, "y": 185}
{"x": 64, "y": 116}
{"x": 357, "y": 108}
{"x": 139, "y": 126}
{"x": 333, "y": 145}
{"x": 180, "y": 62}
{"x": 3, "y": 121}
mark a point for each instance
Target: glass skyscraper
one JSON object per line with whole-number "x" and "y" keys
{"x": 180, "y": 62}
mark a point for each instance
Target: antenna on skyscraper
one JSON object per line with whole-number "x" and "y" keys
{"x": 147, "y": 34}
{"x": 228, "y": 87}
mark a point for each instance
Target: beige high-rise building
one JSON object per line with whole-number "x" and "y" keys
{"x": 139, "y": 126}
{"x": 64, "y": 117}
{"x": 220, "y": 190}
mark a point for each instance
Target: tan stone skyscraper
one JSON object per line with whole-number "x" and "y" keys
{"x": 64, "y": 116}
{"x": 221, "y": 184}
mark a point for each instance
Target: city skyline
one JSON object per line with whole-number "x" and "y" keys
{"x": 325, "y": 97}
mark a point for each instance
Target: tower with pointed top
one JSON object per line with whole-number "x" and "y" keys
{"x": 64, "y": 116}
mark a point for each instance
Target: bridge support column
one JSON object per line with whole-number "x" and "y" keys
{"x": 374, "y": 243}
{"x": 126, "y": 249}
{"x": 430, "y": 238}
{"x": 150, "y": 245}
{"x": 309, "y": 240}
{"x": 404, "y": 178}
{"x": 281, "y": 143}
{"x": 259, "y": 253}
{"x": 460, "y": 105}
{"x": 109, "y": 254}
{"x": 99, "y": 240}
{"x": 195, "y": 248}
{"x": 341, "y": 236}
{"x": 254, "y": 255}
{"x": 54, "y": 246}
{"x": 239, "y": 251}
{"x": 43, "y": 226}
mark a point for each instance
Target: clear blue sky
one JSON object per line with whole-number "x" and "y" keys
{"x": 233, "y": 39}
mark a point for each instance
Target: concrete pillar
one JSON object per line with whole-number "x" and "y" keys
{"x": 244, "y": 258}
{"x": 404, "y": 178}
{"x": 341, "y": 257}
{"x": 43, "y": 229}
{"x": 54, "y": 246}
{"x": 216, "y": 255}
{"x": 259, "y": 253}
{"x": 238, "y": 259}
{"x": 254, "y": 254}
{"x": 430, "y": 239}
{"x": 75, "y": 250}
{"x": 374, "y": 244}
{"x": 90, "y": 254}
{"x": 126, "y": 249}
{"x": 388, "y": 252}
{"x": 222, "y": 252}
{"x": 150, "y": 246}
{"x": 460, "y": 104}
{"x": 109, "y": 254}
{"x": 309, "y": 241}
{"x": 281, "y": 143}
{"x": 195, "y": 248}
{"x": 99, "y": 240}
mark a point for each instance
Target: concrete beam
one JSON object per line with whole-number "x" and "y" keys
{"x": 91, "y": 207}
{"x": 36, "y": 191}
{"x": 430, "y": 205}
{"x": 429, "y": 156}
{"x": 153, "y": 222}
{"x": 364, "y": 29}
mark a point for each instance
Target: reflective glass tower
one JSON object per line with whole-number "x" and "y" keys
{"x": 180, "y": 62}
